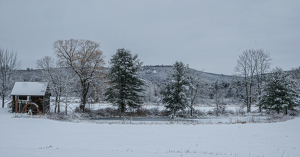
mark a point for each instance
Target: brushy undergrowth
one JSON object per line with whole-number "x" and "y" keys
{"x": 110, "y": 112}
{"x": 111, "y": 115}
{"x": 113, "y": 112}
{"x": 80, "y": 118}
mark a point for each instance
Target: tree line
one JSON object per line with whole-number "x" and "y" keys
{"x": 79, "y": 70}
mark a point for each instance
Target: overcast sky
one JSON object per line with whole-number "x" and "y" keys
{"x": 207, "y": 35}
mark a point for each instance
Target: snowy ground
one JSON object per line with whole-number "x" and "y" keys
{"x": 48, "y": 138}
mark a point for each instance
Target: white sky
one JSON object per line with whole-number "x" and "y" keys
{"x": 207, "y": 35}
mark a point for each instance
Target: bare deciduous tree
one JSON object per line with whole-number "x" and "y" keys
{"x": 219, "y": 97}
{"x": 8, "y": 70}
{"x": 86, "y": 61}
{"x": 252, "y": 65}
{"x": 59, "y": 79}
{"x": 242, "y": 68}
{"x": 262, "y": 65}
{"x": 196, "y": 89}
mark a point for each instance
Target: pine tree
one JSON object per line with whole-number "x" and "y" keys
{"x": 175, "y": 92}
{"x": 280, "y": 92}
{"x": 126, "y": 88}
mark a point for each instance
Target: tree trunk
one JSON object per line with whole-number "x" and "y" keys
{"x": 83, "y": 104}
{"x": 247, "y": 95}
{"x": 58, "y": 105}
{"x": 286, "y": 111}
{"x": 259, "y": 109}
{"x": 83, "y": 100}
{"x": 250, "y": 97}
{"x": 56, "y": 99}
{"x": 2, "y": 101}
{"x": 122, "y": 108}
{"x": 217, "y": 112}
{"x": 66, "y": 109}
{"x": 259, "y": 95}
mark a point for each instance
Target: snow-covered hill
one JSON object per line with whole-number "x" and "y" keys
{"x": 158, "y": 74}
{"x": 154, "y": 74}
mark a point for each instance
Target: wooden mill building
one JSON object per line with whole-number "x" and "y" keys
{"x": 30, "y": 97}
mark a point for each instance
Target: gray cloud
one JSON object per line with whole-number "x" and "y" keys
{"x": 206, "y": 35}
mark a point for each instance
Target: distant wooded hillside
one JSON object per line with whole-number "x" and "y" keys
{"x": 155, "y": 74}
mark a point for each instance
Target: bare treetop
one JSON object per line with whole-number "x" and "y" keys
{"x": 78, "y": 53}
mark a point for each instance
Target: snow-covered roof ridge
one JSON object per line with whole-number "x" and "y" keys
{"x": 29, "y": 88}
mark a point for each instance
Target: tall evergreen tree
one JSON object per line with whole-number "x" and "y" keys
{"x": 280, "y": 92}
{"x": 126, "y": 88}
{"x": 175, "y": 92}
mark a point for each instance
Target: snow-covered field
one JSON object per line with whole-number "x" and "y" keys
{"x": 34, "y": 137}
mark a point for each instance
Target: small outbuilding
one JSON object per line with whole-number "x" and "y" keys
{"x": 31, "y": 97}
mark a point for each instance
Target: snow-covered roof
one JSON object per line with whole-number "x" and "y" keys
{"x": 29, "y": 88}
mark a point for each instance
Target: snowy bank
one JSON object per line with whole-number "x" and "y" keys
{"x": 42, "y": 137}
